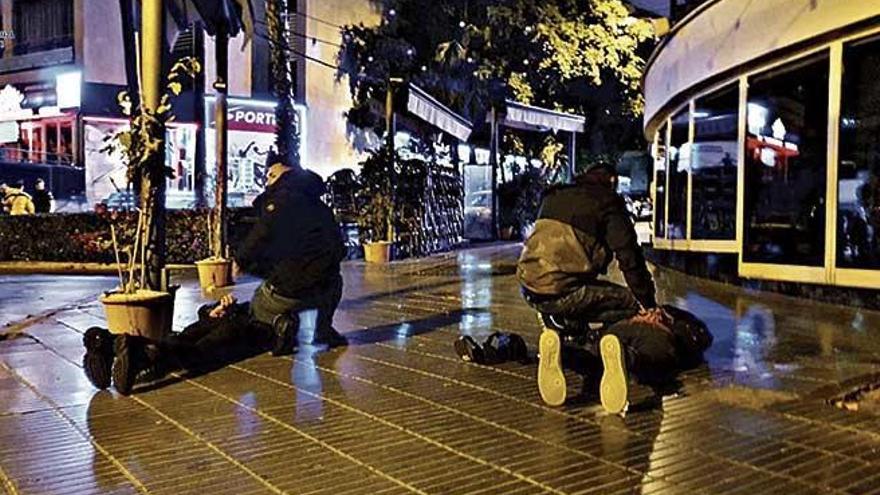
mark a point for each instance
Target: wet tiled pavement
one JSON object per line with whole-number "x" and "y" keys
{"x": 396, "y": 412}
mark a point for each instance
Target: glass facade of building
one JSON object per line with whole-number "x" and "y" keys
{"x": 714, "y": 158}
{"x": 785, "y": 164}
{"x": 780, "y": 165}
{"x": 858, "y": 186}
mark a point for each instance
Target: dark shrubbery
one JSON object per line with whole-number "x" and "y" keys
{"x": 85, "y": 237}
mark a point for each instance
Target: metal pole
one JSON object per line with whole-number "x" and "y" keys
{"x": 391, "y": 131}
{"x": 493, "y": 162}
{"x": 571, "y": 156}
{"x": 200, "y": 170}
{"x": 152, "y": 191}
{"x": 221, "y": 125}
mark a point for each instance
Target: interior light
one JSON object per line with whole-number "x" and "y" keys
{"x": 68, "y": 87}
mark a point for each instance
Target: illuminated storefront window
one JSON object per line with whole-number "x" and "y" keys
{"x": 713, "y": 165}
{"x": 679, "y": 165}
{"x": 660, "y": 185}
{"x": 858, "y": 200}
{"x": 106, "y": 174}
{"x": 785, "y": 176}
{"x": 251, "y": 135}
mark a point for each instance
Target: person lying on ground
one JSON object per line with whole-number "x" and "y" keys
{"x": 224, "y": 332}
{"x": 650, "y": 350}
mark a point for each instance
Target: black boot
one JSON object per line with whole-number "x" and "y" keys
{"x": 98, "y": 359}
{"x": 468, "y": 350}
{"x": 285, "y": 327}
{"x": 502, "y": 347}
{"x": 125, "y": 366}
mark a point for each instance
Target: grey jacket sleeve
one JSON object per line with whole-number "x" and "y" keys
{"x": 623, "y": 241}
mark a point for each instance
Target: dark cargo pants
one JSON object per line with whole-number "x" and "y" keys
{"x": 267, "y": 304}
{"x": 651, "y": 352}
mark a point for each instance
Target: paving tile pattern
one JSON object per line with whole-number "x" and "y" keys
{"x": 397, "y": 412}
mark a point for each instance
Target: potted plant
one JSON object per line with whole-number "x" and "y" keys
{"x": 376, "y": 207}
{"x": 215, "y": 271}
{"x": 141, "y": 306}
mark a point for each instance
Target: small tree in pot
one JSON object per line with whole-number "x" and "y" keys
{"x": 140, "y": 307}
{"x": 375, "y": 204}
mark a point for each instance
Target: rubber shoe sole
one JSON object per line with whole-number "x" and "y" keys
{"x": 123, "y": 366}
{"x": 613, "y": 388}
{"x": 551, "y": 379}
{"x": 98, "y": 358}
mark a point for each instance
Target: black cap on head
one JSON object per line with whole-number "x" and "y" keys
{"x": 19, "y": 184}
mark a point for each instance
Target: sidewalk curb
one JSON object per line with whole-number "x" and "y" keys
{"x": 69, "y": 268}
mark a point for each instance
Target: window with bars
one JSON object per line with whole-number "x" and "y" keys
{"x": 42, "y": 25}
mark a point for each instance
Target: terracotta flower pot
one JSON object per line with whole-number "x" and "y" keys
{"x": 146, "y": 313}
{"x": 214, "y": 273}
{"x": 377, "y": 252}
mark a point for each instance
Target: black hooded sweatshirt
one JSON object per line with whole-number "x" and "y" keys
{"x": 296, "y": 244}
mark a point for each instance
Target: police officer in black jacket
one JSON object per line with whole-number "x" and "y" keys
{"x": 297, "y": 248}
{"x": 580, "y": 229}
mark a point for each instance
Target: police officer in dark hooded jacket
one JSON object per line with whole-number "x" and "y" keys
{"x": 297, "y": 248}
{"x": 580, "y": 229}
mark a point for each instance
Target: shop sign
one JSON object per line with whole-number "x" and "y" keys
{"x": 242, "y": 116}
{"x": 10, "y": 104}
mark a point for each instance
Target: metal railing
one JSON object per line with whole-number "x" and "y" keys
{"x": 23, "y": 155}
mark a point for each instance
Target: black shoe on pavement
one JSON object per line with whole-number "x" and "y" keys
{"x": 332, "y": 338}
{"x": 125, "y": 365}
{"x": 98, "y": 359}
{"x": 285, "y": 328}
{"x": 468, "y": 350}
{"x": 502, "y": 347}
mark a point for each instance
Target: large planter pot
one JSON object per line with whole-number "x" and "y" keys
{"x": 214, "y": 273}
{"x": 146, "y": 313}
{"x": 377, "y": 252}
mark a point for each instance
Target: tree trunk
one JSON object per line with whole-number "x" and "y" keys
{"x": 286, "y": 120}
{"x": 152, "y": 184}
{"x": 220, "y": 126}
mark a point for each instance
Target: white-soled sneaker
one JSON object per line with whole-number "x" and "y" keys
{"x": 613, "y": 388}
{"x": 551, "y": 379}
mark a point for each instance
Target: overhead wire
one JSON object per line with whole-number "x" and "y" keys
{"x": 307, "y": 37}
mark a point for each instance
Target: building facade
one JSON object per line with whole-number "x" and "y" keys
{"x": 765, "y": 123}
{"x": 63, "y": 63}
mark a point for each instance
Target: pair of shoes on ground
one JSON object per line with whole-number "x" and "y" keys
{"x": 498, "y": 348}
{"x": 284, "y": 333}
{"x": 116, "y": 359}
{"x": 613, "y": 388}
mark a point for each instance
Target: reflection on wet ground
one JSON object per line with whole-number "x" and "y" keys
{"x": 397, "y": 412}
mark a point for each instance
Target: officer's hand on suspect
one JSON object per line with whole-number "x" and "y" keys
{"x": 656, "y": 317}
